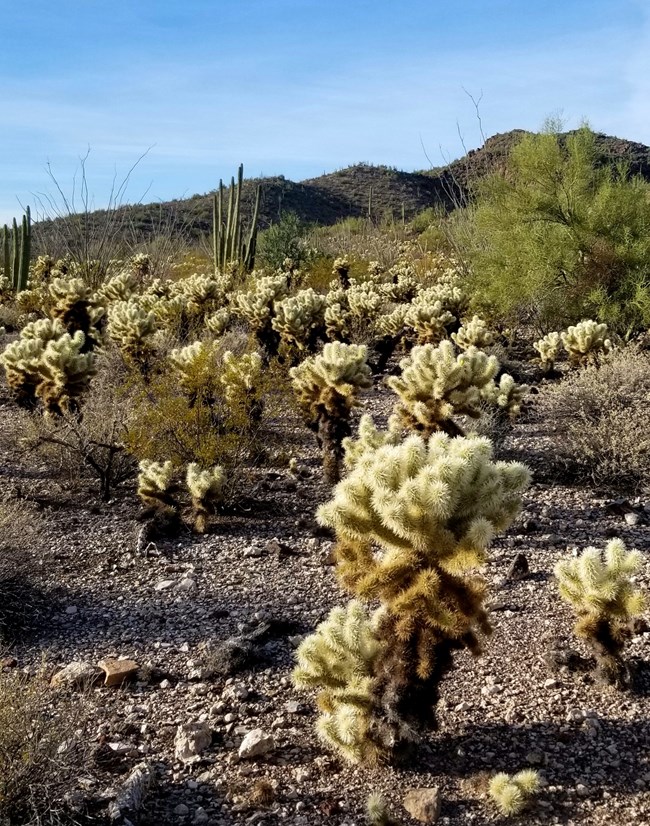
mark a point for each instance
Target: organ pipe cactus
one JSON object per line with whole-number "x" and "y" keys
{"x": 600, "y": 588}
{"x": 229, "y": 244}
{"x": 327, "y": 386}
{"x": 16, "y": 248}
{"x": 586, "y": 342}
{"x": 413, "y": 521}
{"x": 436, "y": 384}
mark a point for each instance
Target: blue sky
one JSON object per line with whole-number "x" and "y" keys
{"x": 298, "y": 87}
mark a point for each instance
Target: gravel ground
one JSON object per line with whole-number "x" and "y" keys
{"x": 505, "y": 711}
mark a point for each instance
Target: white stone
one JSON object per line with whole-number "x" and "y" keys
{"x": 192, "y": 739}
{"x": 256, "y": 744}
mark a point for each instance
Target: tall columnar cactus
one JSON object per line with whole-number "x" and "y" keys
{"x": 473, "y": 333}
{"x": 327, "y": 386}
{"x": 206, "y": 492}
{"x": 436, "y": 384}
{"x": 548, "y": 348}
{"x": 513, "y": 793}
{"x": 586, "y": 342}
{"x": 413, "y": 521}
{"x": 228, "y": 240}
{"x": 599, "y": 586}
{"x": 16, "y": 247}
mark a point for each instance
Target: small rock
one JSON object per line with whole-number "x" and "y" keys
{"x": 77, "y": 675}
{"x": 181, "y": 810}
{"x": 423, "y": 804}
{"x": 632, "y": 518}
{"x": 187, "y": 584}
{"x": 118, "y": 672}
{"x": 200, "y": 815}
{"x": 256, "y": 744}
{"x": 518, "y": 568}
{"x": 164, "y": 585}
{"x": 71, "y": 609}
{"x": 191, "y": 740}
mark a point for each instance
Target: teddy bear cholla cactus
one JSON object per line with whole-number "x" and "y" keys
{"x": 473, "y": 333}
{"x": 599, "y": 586}
{"x": 429, "y": 319}
{"x": 326, "y": 388}
{"x": 548, "y": 348}
{"x": 240, "y": 378}
{"x": 412, "y": 522}
{"x": 74, "y": 308}
{"x": 218, "y": 322}
{"x": 338, "y": 659}
{"x": 513, "y": 793}
{"x": 206, "y": 490}
{"x": 437, "y": 384}
{"x": 257, "y": 308}
{"x": 299, "y": 319}
{"x": 131, "y": 327}
{"x": 586, "y": 342}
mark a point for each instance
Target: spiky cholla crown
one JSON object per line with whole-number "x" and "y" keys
{"x": 428, "y": 318}
{"x": 599, "y": 586}
{"x": 512, "y": 793}
{"x": 155, "y": 483}
{"x": 195, "y": 366}
{"x": 437, "y": 384}
{"x": 298, "y": 317}
{"x": 240, "y": 378}
{"x": 369, "y": 438}
{"x": 548, "y": 348}
{"x": 586, "y": 342}
{"x": 338, "y": 659}
{"x": 506, "y": 396}
{"x": 218, "y": 322}
{"x": 473, "y": 333}
{"x": 326, "y": 387}
{"x": 131, "y": 327}
{"x": 412, "y": 521}
{"x": 206, "y": 491}
{"x": 120, "y": 287}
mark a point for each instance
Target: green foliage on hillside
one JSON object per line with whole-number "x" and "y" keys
{"x": 561, "y": 236}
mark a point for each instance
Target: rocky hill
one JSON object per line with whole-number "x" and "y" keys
{"x": 352, "y": 191}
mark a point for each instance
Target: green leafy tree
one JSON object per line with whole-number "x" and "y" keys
{"x": 561, "y": 236}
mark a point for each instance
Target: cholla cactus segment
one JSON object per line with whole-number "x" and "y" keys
{"x": 155, "y": 483}
{"x": 195, "y": 365}
{"x": 218, "y": 322}
{"x": 131, "y": 327}
{"x": 548, "y": 348}
{"x": 338, "y": 659}
{"x": 436, "y": 384}
{"x": 507, "y": 395}
{"x": 44, "y": 330}
{"x": 206, "y": 489}
{"x": 513, "y": 793}
{"x": 368, "y": 438}
{"x": 338, "y": 321}
{"x": 203, "y": 292}
{"x": 394, "y": 323}
{"x": 240, "y": 377}
{"x": 327, "y": 386}
{"x": 474, "y": 333}
{"x": 586, "y": 342}
{"x": 444, "y": 498}
{"x": 65, "y": 371}
{"x": 377, "y": 812}
{"x": 365, "y": 300}
{"x": 68, "y": 290}
{"x": 297, "y": 317}
{"x": 428, "y": 319}
{"x": 341, "y": 270}
{"x": 120, "y": 287}
{"x": 600, "y": 588}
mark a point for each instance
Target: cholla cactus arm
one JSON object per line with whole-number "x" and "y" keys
{"x": 131, "y": 327}
{"x": 240, "y": 378}
{"x": 507, "y": 395}
{"x": 586, "y": 342}
{"x": 429, "y": 320}
{"x": 155, "y": 484}
{"x": 436, "y": 384}
{"x": 377, "y": 812}
{"x": 365, "y": 301}
{"x": 338, "y": 320}
{"x": 299, "y": 319}
{"x": 206, "y": 489}
{"x": 413, "y": 521}
{"x": 74, "y": 308}
{"x": 218, "y": 322}
{"x": 474, "y": 333}
{"x": 341, "y": 271}
{"x": 548, "y": 348}
{"x": 64, "y": 371}
{"x": 369, "y": 438}
{"x": 257, "y": 308}
{"x": 120, "y": 287}
{"x": 338, "y": 659}
{"x": 195, "y": 366}
{"x": 326, "y": 387}
{"x": 600, "y": 589}
{"x": 512, "y": 794}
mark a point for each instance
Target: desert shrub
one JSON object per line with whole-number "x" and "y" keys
{"x": 598, "y": 420}
{"x": 562, "y": 236}
{"x": 285, "y": 239}
{"x": 43, "y": 751}
{"x": 21, "y": 528}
